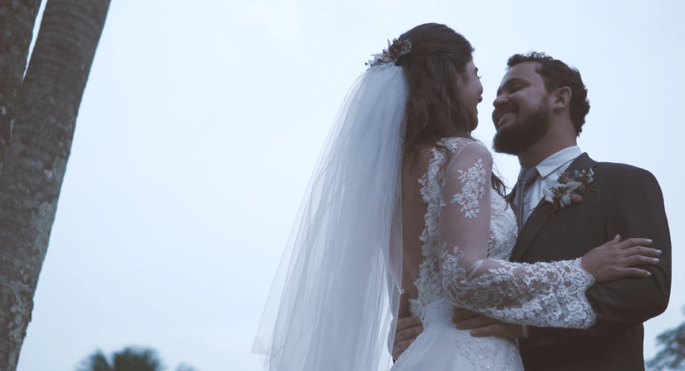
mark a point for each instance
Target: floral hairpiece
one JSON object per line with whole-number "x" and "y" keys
{"x": 392, "y": 54}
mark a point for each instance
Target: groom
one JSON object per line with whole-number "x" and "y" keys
{"x": 539, "y": 112}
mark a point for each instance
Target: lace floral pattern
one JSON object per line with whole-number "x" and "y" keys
{"x": 429, "y": 282}
{"x": 473, "y": 189}
{"x": 541, "y": 294}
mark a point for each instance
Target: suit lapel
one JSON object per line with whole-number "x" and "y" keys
{"x": 542, "y": 213}
{"x": 579, "y": 163}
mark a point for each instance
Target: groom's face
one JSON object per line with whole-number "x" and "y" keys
{"x": 522, "y": 113}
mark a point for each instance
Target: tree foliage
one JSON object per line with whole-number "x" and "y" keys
{"x": 128, "y": 359}
{"x": 672, "y": 356}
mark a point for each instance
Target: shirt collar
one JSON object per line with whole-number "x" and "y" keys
{"x": 557, "y": 160}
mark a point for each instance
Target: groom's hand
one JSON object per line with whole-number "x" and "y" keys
{"x": 482, "y": 326}
{"x": 408, "y": 329}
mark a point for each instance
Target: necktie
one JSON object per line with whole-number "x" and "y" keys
{"x": 526, "y": 178}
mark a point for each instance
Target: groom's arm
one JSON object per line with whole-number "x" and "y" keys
{"x": 635, "y": 210}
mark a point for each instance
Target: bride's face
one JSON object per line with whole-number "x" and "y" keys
{"x": 471, "y": 91}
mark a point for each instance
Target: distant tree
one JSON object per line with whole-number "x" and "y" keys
{"x": 128, "y": 359}
{"x": 672, "y": 356}
{"x": 184, "y": 367}
{"x": 38, "y": 112}
{"x": 96, "y": 362}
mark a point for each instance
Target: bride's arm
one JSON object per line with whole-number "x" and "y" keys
{"x": 540, "y": 294}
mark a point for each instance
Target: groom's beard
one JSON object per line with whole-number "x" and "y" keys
{"x": 520, "y": 136}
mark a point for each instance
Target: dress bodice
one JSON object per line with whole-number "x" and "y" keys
{"x": 501, "y": 240}
{"x": 469, "y": 234}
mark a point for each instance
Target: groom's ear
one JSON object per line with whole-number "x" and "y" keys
{"x": 561, "y": 98}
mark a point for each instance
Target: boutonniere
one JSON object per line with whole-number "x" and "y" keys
{"x": 571, "y": 189}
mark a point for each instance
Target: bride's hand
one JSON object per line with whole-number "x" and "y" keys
{"x": 616, "y": 259}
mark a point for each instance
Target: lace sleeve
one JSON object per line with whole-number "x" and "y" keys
{"x": 540, "y": 294}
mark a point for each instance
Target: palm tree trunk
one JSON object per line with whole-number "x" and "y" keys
{"x": 47, "y": 106}
{"x": 16, "y": 30}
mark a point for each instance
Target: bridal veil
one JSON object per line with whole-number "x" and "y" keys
{"x": 335, "y": 298}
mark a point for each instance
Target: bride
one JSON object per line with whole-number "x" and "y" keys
{"x": 404, "y": 217}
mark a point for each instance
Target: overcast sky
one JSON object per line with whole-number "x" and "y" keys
{"x": 202, "y": 121}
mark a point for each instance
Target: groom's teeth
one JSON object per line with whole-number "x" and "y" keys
{"x": 499, "y": 123}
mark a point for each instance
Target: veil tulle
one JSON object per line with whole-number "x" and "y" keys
{"x": 335, "y": 298}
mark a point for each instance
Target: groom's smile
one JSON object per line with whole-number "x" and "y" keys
{"x": 522, "y": 113}
{"x": 504, "y": 118}
{"x": 522, "y": 88}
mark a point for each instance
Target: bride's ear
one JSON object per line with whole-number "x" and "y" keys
{"x": 561, "y": 98}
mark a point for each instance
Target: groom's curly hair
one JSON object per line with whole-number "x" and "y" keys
{"x": 557, "y": 74}
{"x": 435, "y": 108}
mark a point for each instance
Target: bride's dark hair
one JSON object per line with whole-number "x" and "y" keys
{"x": 435, "y": 108}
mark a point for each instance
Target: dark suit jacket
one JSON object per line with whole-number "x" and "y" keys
{"x": 630, "y": 204}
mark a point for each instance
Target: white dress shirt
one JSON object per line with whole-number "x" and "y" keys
{"x": 549, "y": 169}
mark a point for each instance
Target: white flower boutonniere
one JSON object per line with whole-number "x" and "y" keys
{"x": 570, "y": 190}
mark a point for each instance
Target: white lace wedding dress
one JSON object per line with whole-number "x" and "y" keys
{"x": 468, "y": 237}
